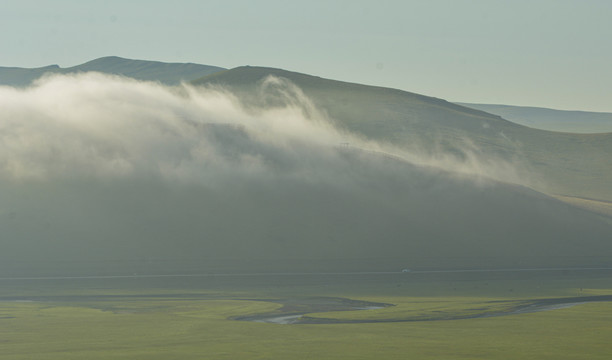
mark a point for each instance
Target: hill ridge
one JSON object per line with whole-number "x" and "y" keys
{"x": 170, "y": 73}
{"x": 293, "y": 74}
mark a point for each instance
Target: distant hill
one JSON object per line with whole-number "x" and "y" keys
{"x": 559, "y": 163}
{"x": 166, "y": 73}
{"x": 549, "y": 119}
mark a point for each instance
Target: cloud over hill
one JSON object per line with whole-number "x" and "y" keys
{"x": 102, "y": 125}
{"x": 102, "y": 174}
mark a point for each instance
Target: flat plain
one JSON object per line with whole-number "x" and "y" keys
{"x": 195, "y": 318}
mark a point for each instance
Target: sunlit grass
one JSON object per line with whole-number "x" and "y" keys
{"x": 168, "y": 326}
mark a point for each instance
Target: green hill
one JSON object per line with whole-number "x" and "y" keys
{"x": 361, "y": 212}
{"x": 557, "y": 163}
{"x": 15, "y": 76}
{"x": 550, "y": 119}
{"x": 166, "y": 73}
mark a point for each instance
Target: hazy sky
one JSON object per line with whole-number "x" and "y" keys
{"x": 540, "y": 53}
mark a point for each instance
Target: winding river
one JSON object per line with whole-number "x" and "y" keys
{"x": 285, "y": 316}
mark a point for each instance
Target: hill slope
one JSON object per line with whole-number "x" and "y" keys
{"x": 166, "y": 73}
{"x": 550, "y": 119}
{"x": 560, "y": 163}
{"x": 100, "y": 175}
{"x": 384, "y": 215}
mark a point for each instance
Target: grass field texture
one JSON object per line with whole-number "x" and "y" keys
{"x": 99, "y": 322}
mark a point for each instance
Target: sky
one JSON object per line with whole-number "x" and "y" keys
{"x": 554, "y": 54}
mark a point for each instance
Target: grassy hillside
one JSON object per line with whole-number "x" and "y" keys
{"x": 372, "y": 214}
{"x": 550, "y": 119}
{"x": 166, "y": 73}
{"x": 557, "y": 163}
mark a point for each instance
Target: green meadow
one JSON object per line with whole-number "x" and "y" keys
{"x": 194, "y": 319}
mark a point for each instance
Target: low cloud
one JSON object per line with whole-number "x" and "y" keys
{"x": 101, "y": 126}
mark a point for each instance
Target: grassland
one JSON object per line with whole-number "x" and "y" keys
{"x": 192, "y": 319}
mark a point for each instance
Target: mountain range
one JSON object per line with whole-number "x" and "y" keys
{"x": 166, "y": 73}
{"x": 551, "y": 119}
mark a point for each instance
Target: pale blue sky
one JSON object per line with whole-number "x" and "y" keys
{"x": 546, "y": 53}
